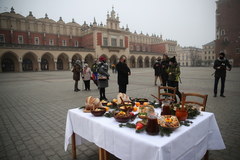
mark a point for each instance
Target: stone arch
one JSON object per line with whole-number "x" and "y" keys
{"x": 30, "y": 62}
{"x": 132, "y": 62}
{"x": 89, "y": 59}
{"x": 146, "y": 62}
{"x": 153, "y": 60}
{"x": 9, "y": 61}
{"x": 47, "y": 62}
{"x": 113, "y": 59}
{"x": 140, "y": 62}
{"x": 63, "y": 62}
{"x": 76, "y": 57}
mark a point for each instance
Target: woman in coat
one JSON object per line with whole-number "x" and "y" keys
{"x": 123, "y": 73}
{"x": 173, "y": 76}
{"x": 77, "y": 69}
{"x": 86, "y": 76}
{"x": 103, "y": 77}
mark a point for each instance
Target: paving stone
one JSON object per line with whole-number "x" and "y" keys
{"x": 33, "y": 110}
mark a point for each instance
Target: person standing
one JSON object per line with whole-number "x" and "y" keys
{"x": 86, "y": 76}
{"x": 103, "y": 77}
{"x": 113, "y": 68}
{"x": 221, "y": 65}
{"x": 77, "y": 69}
{"x": 173, "y": 76}
{"x": 164, "y": 74}
{"x": 94, "y": 72}
{"x": 123, "y": 73}
{"x": 158, "y": 70}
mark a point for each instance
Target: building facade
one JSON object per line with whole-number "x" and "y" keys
{"x": 189, "y": 56}
{"x": 208, "y": 55}
{"x": 31, "y": 44}
{"x": 228, "y": 29}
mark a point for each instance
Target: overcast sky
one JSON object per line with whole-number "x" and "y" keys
{"x": 189, "y": 22}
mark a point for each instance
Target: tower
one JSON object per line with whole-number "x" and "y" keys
{"x": 113, "y": 20}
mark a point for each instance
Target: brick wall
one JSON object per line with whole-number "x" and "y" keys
{"x": 158, "y": 48}
{"x": 99, "y": 38}
{"x": 87, "y": 41}
{"x": 126, "y": 41}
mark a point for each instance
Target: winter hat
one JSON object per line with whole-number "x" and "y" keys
{"x": 173, "y": 59}
{"x": 101, "y": 58}
{"x": 222, "y": 53}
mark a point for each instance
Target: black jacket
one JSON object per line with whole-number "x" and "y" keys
{"x": 157, "y": 68}
{"x": 165, "y": 64}
{"x": 223, "y": 64}
{"x": 123, "y": 72}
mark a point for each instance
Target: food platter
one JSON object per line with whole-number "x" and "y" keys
{"x": 168, "y": 121}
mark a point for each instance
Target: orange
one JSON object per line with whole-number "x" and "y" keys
{"x": 137, "y": 104}
{"x": 135, "y": 109}
{"x": 107, "y": 109}
{"x": 145, "y": 103}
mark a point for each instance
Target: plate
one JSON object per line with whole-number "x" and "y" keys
{"x": 168, "y": 121}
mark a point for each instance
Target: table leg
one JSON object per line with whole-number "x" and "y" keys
{"x": 74, "y": 153}
{"x": 103, "y": 154}
{"x": 206, "y": 155}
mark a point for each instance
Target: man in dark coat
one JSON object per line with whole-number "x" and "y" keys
{"x": 221, "y": 65}
{"x": 158, "y": 71}
{"x": 165, "y": 64}
{"x": 123, "y": 73}
{"x": 77, "y": 69}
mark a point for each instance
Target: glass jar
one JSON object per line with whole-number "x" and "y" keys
{"x": 166, "y": 110}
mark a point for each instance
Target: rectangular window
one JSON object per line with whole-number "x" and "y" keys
{"x": 121, "y": 43}
{"x": 2, "y": 38}
{"x": 51, "y": 42}
{"x": 76, "y": 43}
{"x": 105, "y": 41}
{"x": 114, "y": 42}
{"x": 20, "y": 39}
{"x": 36, "y": 40}
{"x": 64, "y": 43}
{"x": 237, "y": 50}
{"x": 213, "y": 57}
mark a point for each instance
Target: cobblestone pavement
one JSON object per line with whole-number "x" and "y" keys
{"x": 33, "y": 109}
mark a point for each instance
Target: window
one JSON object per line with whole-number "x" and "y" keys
{"x": 2, "y": 38}
{"x": 114, "y": 42}
{"x": 138, "y": 48}
{"x": 209, "y": 57}
{"x": 237, "y": 50}
{"x": 222, "y": 32}
{"x": 51, "y": 42}
{"x": 105, "y": 41}
{"x": 64, "y": 43}
{"x": 36, "y": 40}
{"x": 131, "y": 47}
{"x": 121, "y": 43}
{"x": 76, "y": 43}
{"x": 205, "y": 52}
{"x": 205, "y": 57}
{"x": 20, "y": 39}
{"x": 213, "y": 57}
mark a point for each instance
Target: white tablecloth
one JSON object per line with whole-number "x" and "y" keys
{"x": 185, "y": 143}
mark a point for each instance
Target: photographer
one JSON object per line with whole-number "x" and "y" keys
{"x": 221, "y": 65}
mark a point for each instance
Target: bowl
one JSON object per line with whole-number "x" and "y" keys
{"x": 169, "y": 121}
{"x": 122, "y": 118}
{"x": 98, "y": 112}
{"x": 126, "y": 108}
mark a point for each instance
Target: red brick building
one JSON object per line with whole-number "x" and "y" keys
{"x": 228, "y": 29}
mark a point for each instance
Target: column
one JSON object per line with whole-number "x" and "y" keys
{"x": 70, "y": 65}
{"x": 0, "y": 65}
{"x": 55, "y": 64}
{"x": 20, "y": 66}
{"x": 39, "y": 66}
{"x": 143, "y": 63}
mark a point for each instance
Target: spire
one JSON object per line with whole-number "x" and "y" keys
{"x": 60, "y": 19}
{"x": 94, "y": 21}
{"x": 30, "y": 14}
{"x": 73, "y": 20}
{"x": 46, "y": 16}
{"x": 127, "y": 29}
{"x": 101, "y": 24}
{"x": 12, "y": 10}
{"x": 112, "y": 12}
